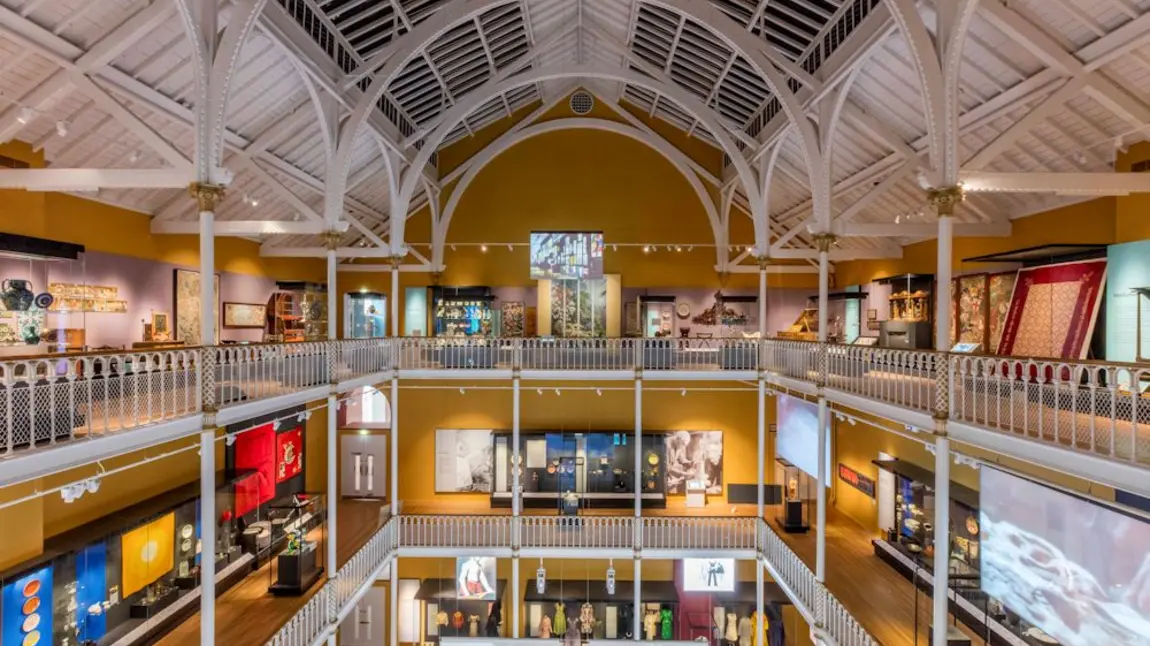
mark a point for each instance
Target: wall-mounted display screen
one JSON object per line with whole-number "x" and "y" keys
{"x": 1075, "y": 569}
{"x": 797, "y": 440}
{"x": 566, "y": 255}
{"x": 708, "y": 575}
{"x": 475, "y": 578}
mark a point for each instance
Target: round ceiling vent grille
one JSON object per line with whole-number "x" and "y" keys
{"x": 582, "y": 102}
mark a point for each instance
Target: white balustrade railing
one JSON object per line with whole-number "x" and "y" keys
{"x": 361, "y": 357}
{"x": 309, "y": 624}
{"x": 577, "y": 532}
{"x": 1091, "y": 407}
{"x": 699, "y": 533}
{"x": 259, "y": 371}
{"x": 360, "y": 568}
{"x": 577, "y": 354}
{"x": 454, "y": 531}
{"x": 792, "y": 359}
{"x": 56, "y": 399}
{"x": 905, "y": 378}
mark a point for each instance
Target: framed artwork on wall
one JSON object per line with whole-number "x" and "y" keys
{"x": 245, "y": 315}
{"x": 187, "y": 307}
{"x": 694, "y": 456}
{"x": 463, "y": 461}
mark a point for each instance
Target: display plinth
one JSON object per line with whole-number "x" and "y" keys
{"x": 297, "y": 573}
{"x": 793, "y": 520}
{"x": 148, "y": 609}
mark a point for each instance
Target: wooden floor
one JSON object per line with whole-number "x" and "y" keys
{"x": 247, "y": 615}
{"x": 880, "y": 598}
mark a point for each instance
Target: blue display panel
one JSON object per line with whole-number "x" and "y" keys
{"x": 91, "y": 584}
{"x": 26, "y": 608}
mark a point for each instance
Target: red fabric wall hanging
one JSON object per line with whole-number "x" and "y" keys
{"x": 1053, "y": 310}
{"x": 289, "y": 454}
{"x": 255, "y": 451}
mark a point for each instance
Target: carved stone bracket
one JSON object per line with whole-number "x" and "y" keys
{"x": 207, "y": 196}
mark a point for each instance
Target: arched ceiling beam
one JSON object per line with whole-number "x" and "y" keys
{"x": 485, "y": 92}
{"x": 658, "y": 144}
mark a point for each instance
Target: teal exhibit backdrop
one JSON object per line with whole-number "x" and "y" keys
{"x": 1129, "y": 268}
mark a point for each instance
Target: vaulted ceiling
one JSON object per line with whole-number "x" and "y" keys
{"x": 1046, "y": 86}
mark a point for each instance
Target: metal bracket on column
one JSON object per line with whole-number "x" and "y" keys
{"x": 945, "y": 199}
{"x": 207, "y": 196}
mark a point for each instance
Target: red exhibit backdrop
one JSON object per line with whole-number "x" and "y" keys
{"x": 255, "y": 451}
{"x": 1053, "y": 310}
{"x": 289, "y": 454}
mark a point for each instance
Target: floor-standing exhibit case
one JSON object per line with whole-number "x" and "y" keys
{"x": 909, "y": 324}
{"x": 297, "y": 312}
{"x": 799, "y": 495}
{"x": 297, "y": 526}
{"x": 597, "y": 468}
{"x": 462, "y": 311}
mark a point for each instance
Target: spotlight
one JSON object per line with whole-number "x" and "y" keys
{"x": 541, "y": 579}
{"x": 26, "y": 115}
{"x": 599, "y": 392}
{"x": 462, "y": 391}
{"x": 669, "y": 247}
{"x": 683, "y": 393}
{"x": 557, "y": 393}
{"x": 646, "y": 249}
{"x": 539, "y": 391}
{"x": 690, "y": 247}
{"x": 299, "y": 417}
{"x": 276, "y": 425}
{"x": 611, "y": 578}
{"x": 68, "y": 494}
{"x": 851, "y": 420}
{"x": 92, "y": 485}
{"x": 483, "y": 248}
{"x": 230, "y": 439}
{"x": 452, "y": 247}
{"x": 307, "y": 414}
{"x": 678, "y": 247}
{"x": 509, "y": 248}
{"x": 614, "y": 247}
{"x": 134, "y": 156}
{"x": 62, "y": 128}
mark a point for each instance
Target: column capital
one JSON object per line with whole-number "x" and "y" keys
{"x": 945, "y": 199}
{"x": 763, "y": 261}
{"x": 331, "y": 239}
{"x": 207, "y": 196}
{"x": 395, "y": 261}
{"x": 824, "y": 241}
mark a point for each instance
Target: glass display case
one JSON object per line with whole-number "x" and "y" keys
{"x": 364, "y": 315}
{"x": 799, "y": 493}
{"x": 445, "y": 614}
{"x": 590, "y": 612}
{"x": 45, "y": 298}
{"x": 463, "y": 312}
{"x": 658, "y": 315}
{"x": 298, "y": 312}
{"x": 593, "y": 469}
{"x": 297, "y": 532}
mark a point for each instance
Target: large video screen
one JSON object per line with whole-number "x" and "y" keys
{"x": 708, "y": 575}
{"x": 797, "y": 440}
{"x": 1075, "y": 569}
{"x": 475, "y": 578}
{"x": 566, "y": 255}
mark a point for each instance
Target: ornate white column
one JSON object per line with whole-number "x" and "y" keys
{"x": 944, "y": 201}
{"x": 760, "y": 464}
{"x": 331, "y": 242}
{"x": 764, "y": 262}
{"x": 393, "y": 437}
{"x": 824, "y": 241}
{"x": 207, "y": 197}
{"x": 396, "y": 261}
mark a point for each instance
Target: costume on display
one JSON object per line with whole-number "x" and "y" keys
{"x": 776, "y": 636}
{"x": 571, "y": 637}
{"x": 560, "y": 618}
{"x": 587, "y": 619}
{"x": 545, "y": 627}
{"x": 758, "y": 641}
{"x": 732, "y": 633}
{"x": 665, "y": 620}
{"x": 649, "y": 621}
{"x": 719, "y": 614}
{"x": 473, "y": 629}
{"x": 441, "y": 618}
{"x": 626, "y": 620}
{"x": 457, "y": 620}
{"x": 746, "y": 627}
{"x": 494, "y": 618}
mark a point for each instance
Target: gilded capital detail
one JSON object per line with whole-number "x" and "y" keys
{"x": 331, "y": 239}
{"x": 945, "y": 199}
{"x": 763, "y": 261}
{"x": 207, "y": 196}
{"x": 395, "y": 261}
{"x": 824, "y": 241}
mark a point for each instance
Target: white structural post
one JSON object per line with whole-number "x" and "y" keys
{"x": 638, "y": 455}
{"x": 944, "y": 201}
{"x": 395, "y": 262}
{"x": 332, "y": 239}
{"x": 394, "y": 437}
{"x": 207, "y": 196}
{"x": 516, "y": 595}
{"x": 824, "y": 242}
{"x": 637, "y": 619}
{"x": 516, "y": 503}
{"x": 393, "y": 601}
{"x": 760, "y": 478}
{"x": 758, "y": 605}
{"x": 763, "y": 297}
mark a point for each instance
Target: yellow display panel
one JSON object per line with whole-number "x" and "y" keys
{"x": 147, "y": 553}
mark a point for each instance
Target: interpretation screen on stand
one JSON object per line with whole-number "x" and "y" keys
{"x": 566, "y": 255}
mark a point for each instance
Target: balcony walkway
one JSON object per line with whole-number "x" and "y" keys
{"x": 248, "y": 615}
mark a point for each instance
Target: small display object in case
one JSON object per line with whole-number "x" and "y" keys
{"x": 696, "y": 494}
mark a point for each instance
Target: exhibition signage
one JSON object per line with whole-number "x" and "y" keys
{"x": 856, "y": 480}
{"x": 566, "y": 255}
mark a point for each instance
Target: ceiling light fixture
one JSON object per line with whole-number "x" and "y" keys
{"x": 62, "y": 128}
{"x": 26, "y": 115}
{"x": 646, "y": 249}
{"x": 134, "y": 156}
{"x": 483, "y": 248}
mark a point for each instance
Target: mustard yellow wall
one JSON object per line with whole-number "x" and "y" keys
{"x": 857, "y": 445}
{"x": 1091, "y": 222}
{"x": 423, "y": 411}
{"x": 22, "y": 536}
{"x": 1131, "y": 221}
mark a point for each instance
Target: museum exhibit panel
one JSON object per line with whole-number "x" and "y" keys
{"x": 593, "y": 611}
{"x": 468, "y": 604}
{"x": 462, "y": 312}
{"x": 45, "y": 298}
{"x": 718, "y": 608}
{"x": 796, "y": 461}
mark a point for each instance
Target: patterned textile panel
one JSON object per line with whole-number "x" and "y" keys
{"x": 972, "y": 309}
{"x": 1001, "y": 289}
{"x": 1053, "y": 310}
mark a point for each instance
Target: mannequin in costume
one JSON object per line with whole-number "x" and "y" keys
{"x": 587, "y": 619}
{"x": 625, "y": 620}
{"x": 473, "y": 628}
{"x": 457, "y": 620}
{"x": 571, "y": 637}
{"x": 441, "y": 618}
{"x": 759, "y": 636}
{"x": 649, "y": 621}
{"x": 732, "y": 635}
{"x": 719, "y": 614}
{"x": 494, "y": 618}
{"x": 665, "y": 623}
{"x": 545, "y": 627}
{"x": 560, "y": 618}
{"x": 745, "y": 630}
